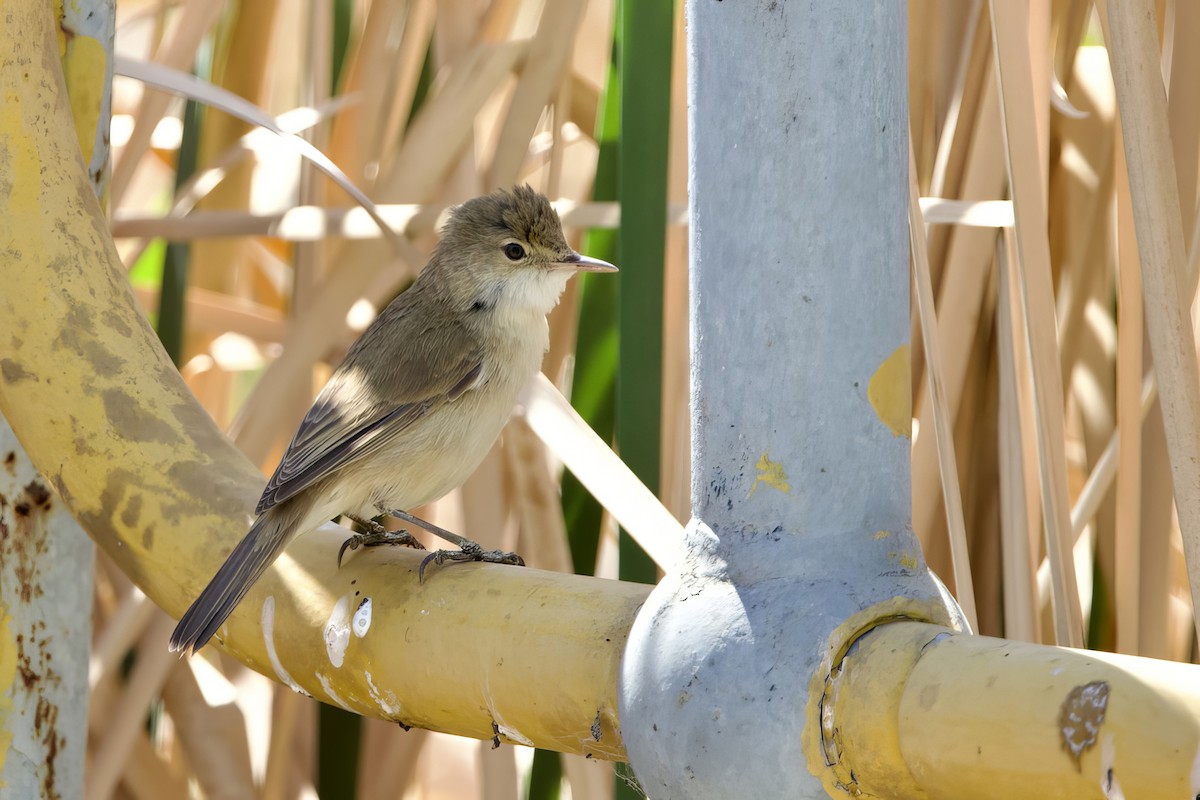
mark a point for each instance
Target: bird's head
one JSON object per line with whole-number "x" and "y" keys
{"x": 506, "y": 250}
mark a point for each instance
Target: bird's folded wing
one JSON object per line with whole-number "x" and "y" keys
{"x": 349, "y": 420}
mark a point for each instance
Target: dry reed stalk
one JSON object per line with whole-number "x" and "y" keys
{"x": 588, "y": 779}
{"x": 1155, "y": 194}
{"x": 497, "y": 772}
{"x": 1037, "y": 296}
{"x": 1130, "y": 344}
{"x": 147, "y": 777}
{"x": 309, "y": 223}
{"x": 954, "y": 143}
{"x": 216, "y": 312}
{"x": 1082, "y": 244}
{"x": 951, "y": 495}
{"x": 388, "y": 759}
{"x": 240, "y": 66}
{"x": 534, "y": 493}
{"x": 386, "y": 69}
{"x": 1019, "y": 516}
{"x": 123, "y": 724}
{"x": 1182, "y": 26}
{"x": 190, "y": 25}
{"x": 964, "y": 279}
{"x": 1183, "y": 106}
{"x": 1037, "y": 26}
{"x": 599, "y": 469}
{"x": 285, "y": 713}
{"x": 675, "y": 457}
{"x": 210, "y": 729}
{"x": 119, "y": 631}
{"x": 976, "y": 433}
{"x": 549, "y": 50}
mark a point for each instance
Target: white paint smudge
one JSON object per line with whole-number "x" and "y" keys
{"x": 362, "y": 618}
{"x": 337, "y": 631}
{"x": 329, "y": 691}
{"x": 388, "y": 703}
{"x": 268, "y": 629}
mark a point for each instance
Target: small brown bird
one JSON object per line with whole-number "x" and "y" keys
{"x": 419, "y": 399}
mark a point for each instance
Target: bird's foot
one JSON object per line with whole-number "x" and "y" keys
{"x": 471, "y": 551}
{"x": 375, "y": 536}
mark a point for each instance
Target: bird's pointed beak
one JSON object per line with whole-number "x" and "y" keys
{"x": 582, "y": 263}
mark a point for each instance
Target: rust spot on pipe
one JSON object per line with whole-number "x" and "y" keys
{"x": 24, "y": 541}
{"x": 38, "y": 494}
{"x": 1080, "y": 717}
{"x": 35, "y": 670}
{"x": 24, "y": 549}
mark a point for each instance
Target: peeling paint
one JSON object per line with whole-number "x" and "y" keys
{"x": 337, "y": 631}
{"x": 268, "y": 629}
{"x": 362, "y": 618}
{"x": 328, "y": 689}
{"x": 388, "y": 702}
{"x": 880, "y": 535}
{"x": 771, "y": 473}
{"x": 1080, "y": 718}
{"x": 890, "y": 391}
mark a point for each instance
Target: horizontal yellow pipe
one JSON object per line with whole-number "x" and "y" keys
{"x": 105, "y": 416}
{"x": 918, "y": 711}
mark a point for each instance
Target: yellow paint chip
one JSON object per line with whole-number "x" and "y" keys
{"x": 882, "y": 535}
{"x": 906, "y": 560}
{"x": 84, "y": 67}
{"x": 890, "y": 391}
{"x": 771, "y": 473}
{"x": 8, "y": 677}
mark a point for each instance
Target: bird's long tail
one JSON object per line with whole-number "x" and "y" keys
{"x": 253, "y": 554}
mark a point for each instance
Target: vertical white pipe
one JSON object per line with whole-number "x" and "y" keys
{"x": 800, "y": 397}
{"x": 46, "y": 560}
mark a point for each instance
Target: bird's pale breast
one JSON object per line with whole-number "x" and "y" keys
{"x": 440, "y": 451}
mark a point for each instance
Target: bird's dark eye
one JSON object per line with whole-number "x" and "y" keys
{"x": 514, "y": 251}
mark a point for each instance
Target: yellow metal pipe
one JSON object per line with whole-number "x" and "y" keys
{"x": 477, "y": 650}
{"x": 919, "y": 711}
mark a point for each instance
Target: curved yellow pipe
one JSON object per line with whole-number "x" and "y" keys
{"x": 477, "y": 650}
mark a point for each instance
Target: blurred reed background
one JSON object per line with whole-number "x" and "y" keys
{"x": 258, "y": 272}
